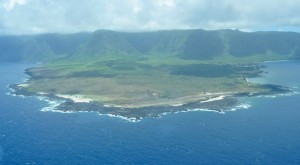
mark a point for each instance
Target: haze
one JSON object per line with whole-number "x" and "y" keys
{"x": 65, "y": 16}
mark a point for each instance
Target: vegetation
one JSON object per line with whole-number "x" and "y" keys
{"x": 138, "y": 82}
{"x": 185, "y": 44}
{"x": 148, "y": 68}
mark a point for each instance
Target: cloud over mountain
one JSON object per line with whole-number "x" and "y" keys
{"x": 43, "y": 16}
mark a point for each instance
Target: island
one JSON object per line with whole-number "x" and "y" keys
{"x": 136, "y": 88}
{"x": 141, "y": 75}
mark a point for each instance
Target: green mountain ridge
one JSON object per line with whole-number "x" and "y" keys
{"x": 185, "y": 44}
{"x": 128, "y": 71}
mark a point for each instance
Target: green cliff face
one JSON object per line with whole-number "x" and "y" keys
{"x": 148, "y": 69}
{"x": 185, "y": 44}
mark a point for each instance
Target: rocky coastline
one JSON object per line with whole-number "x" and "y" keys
{"x": 136, "y": 114}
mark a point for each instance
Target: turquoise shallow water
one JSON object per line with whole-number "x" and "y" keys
{"x": 266, "y": 133}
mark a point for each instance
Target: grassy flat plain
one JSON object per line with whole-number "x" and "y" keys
{"x": 141, "y": 81}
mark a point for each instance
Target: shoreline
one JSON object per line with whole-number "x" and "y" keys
{"x": 215, "y": 102}
{"x": 55, "y": 105}
{"x": 67, "y": 105}
{"x": 220, "y": 104}
{"x": 75, "y": 98}
{"x": 275, "y": 61}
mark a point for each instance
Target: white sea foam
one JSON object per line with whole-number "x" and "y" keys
{"x": 280, "y": 95}
{"x": 241, "y": 106}
{"x": 134, "y": 120}
{"x": 52, "y": 104}
{"x": 192, "y": 110}
{"x": 51, "y": 109}
{"x": 238, "y": 107}
{"x": 296, "y": 92}
{"x": 10, "y": 89}
{"x": 269, "y": 96}
{"x": 203, "y": 110}
{"x": 276, "y": 61}
{"x": 11, "y": 93}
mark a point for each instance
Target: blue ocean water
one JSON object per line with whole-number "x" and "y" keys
{"x": 266, "y": 133}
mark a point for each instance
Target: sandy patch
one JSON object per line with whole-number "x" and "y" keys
{"x": 214, "y": 99}
{"x": 76, "y": 98}
{"x": 23, "y": 85}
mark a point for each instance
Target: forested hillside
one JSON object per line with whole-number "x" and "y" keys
{"x": 185, "y": 44}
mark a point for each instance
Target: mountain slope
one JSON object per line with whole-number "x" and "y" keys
{"x": 39, "y": 47}
{"x": 185, "y": 44}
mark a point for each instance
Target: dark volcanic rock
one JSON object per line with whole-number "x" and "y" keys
{"x": 227, "y": 103}
{"x": 145, "y": 112}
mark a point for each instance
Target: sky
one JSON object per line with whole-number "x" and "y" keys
{"x": 70, "y": 16}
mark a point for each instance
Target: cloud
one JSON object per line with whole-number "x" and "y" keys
{"x": 168, "y": 3}
{"x": 12, "y": 3}
{"x": 65, "y": 16}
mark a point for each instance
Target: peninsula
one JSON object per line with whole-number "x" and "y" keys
{"x": 139, "y": 75}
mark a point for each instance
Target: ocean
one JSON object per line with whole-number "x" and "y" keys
{"x": 268, "y": 132}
